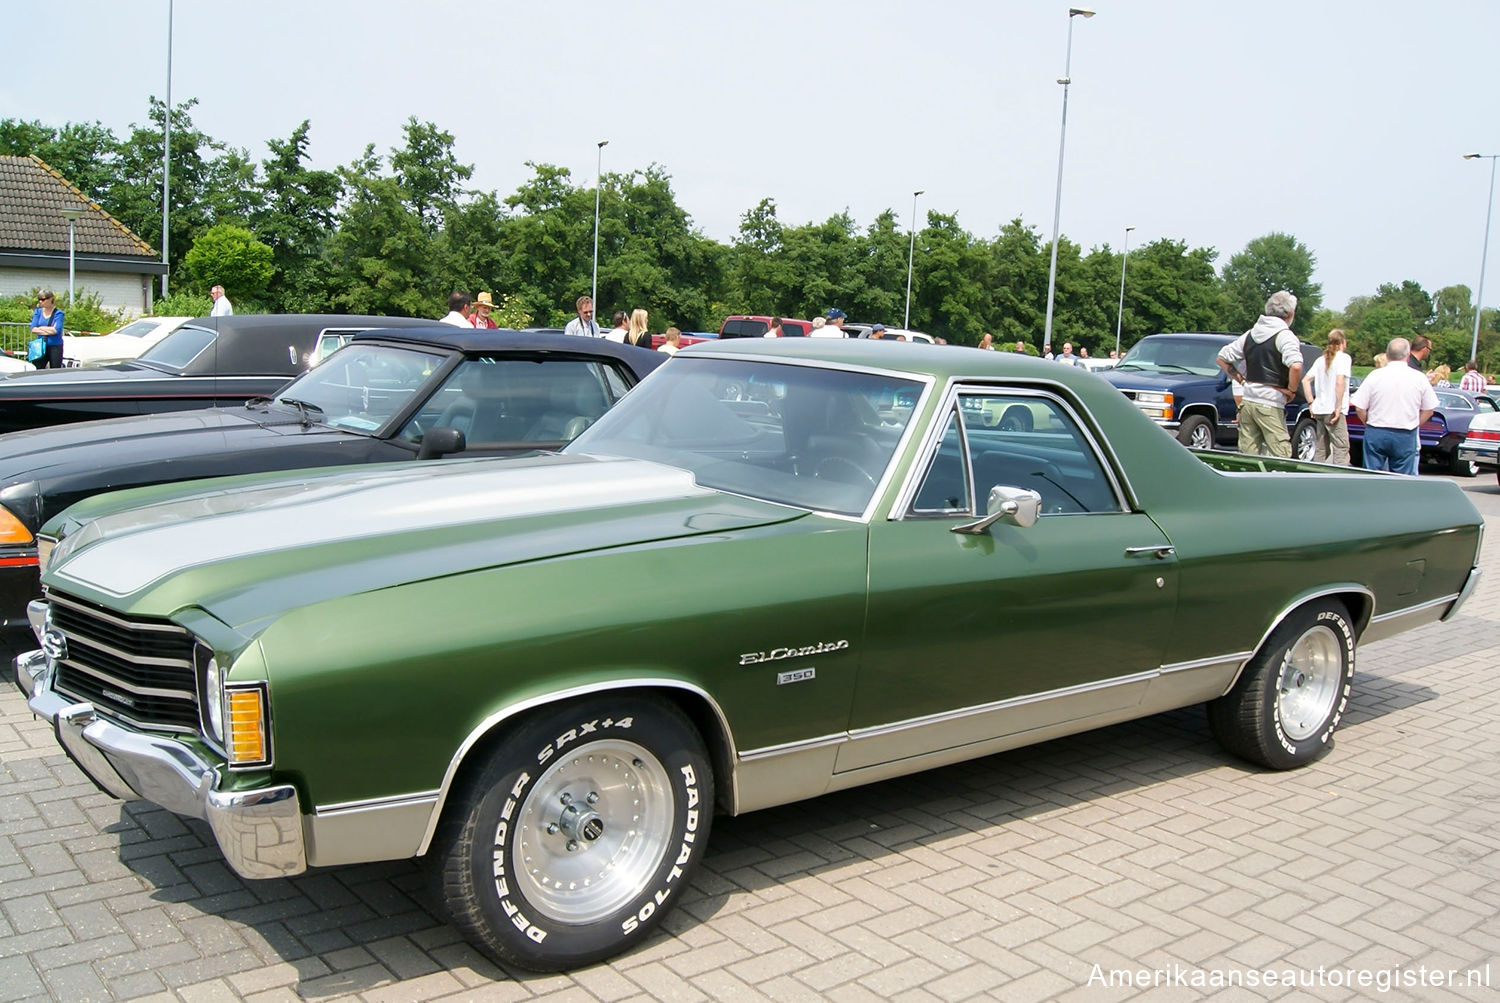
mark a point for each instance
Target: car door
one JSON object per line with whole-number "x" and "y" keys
{"x": 971, "y": 637}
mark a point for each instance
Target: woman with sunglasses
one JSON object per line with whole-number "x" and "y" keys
{"x": 47, "y": 322}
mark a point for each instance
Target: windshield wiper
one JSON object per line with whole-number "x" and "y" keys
{"x": 304, "y": 408}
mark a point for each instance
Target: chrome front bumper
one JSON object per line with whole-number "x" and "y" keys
{"x": 259, "y": 831}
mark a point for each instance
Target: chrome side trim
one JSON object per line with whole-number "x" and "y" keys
{"x": 364, "y": 832}
{"x": 368, "y": 803}
{"x": 947, "y": 717}
{"x": 792, "y": 747}
{"x": 1393, "y": 623}
{"x": 485, "y": 726}
{"x": 1232, "y": 660}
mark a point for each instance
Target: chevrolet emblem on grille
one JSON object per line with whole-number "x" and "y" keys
{"x": 54, "y": 645}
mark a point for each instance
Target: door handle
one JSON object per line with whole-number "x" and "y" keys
{"x": 1161, "y": 551}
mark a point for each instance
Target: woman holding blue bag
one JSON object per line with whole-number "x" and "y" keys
{"x": 46, "y": 327}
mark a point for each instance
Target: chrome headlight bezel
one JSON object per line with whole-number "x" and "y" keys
{"x": 210, "y": 694}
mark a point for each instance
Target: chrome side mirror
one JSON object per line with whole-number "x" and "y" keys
{"x": 1017, "y": 506}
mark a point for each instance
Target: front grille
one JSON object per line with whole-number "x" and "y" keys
{"x": 136, "y": 670}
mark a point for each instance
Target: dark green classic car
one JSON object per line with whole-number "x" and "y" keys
{"x": 776, "y": 569}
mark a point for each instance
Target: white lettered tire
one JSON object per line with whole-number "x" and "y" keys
{"x": 580, "y": 832}
{"x": 1286, "y": 704}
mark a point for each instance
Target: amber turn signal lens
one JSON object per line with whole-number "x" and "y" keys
{"x": 246, "y": 741}
{"x": 12, "y": 530}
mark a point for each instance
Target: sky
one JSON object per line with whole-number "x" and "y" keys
{"x": 1342, "y": 123}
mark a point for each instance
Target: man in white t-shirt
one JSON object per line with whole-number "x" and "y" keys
{"x": 584, "y": 324}
{"x": 621, "y": 328}
{"x": 1394, "y": 401}
{"x": 1327, "y": 386}
{"x": 458, "y": 310}
{"x": 222, "y": 306}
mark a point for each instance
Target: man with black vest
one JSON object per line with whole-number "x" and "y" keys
{"x": 1273, "y": 370}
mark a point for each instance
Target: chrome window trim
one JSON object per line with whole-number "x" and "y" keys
{"x": 541, "y": 700}
{"x": 902, "y": 510}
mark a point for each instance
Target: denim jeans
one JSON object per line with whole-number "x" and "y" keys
{"x": 1393, "y": 449}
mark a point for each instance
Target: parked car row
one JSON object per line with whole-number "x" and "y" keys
{"x": 1175, "y": 380}
{"x": 777, "y": 568}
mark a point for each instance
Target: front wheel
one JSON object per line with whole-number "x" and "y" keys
{"x": 579, "y": 834}
{"x": 1196, "y": 432}
{"x": 1305, "y": 439}
{"x": 1287, "y": 702}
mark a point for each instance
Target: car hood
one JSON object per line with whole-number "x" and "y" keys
{"x": 94, "y": 444}
{"x": 258, "y": 547}
{"x": 31, "y": 382}
{"x": 1142, "y": 379}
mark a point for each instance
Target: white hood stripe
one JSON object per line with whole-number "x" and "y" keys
{"x": 154, "y": 541}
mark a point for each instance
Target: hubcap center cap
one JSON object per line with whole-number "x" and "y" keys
{"x": 581, "y": 822}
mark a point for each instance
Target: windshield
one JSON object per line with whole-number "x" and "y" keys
{"x": 815, "y": 438}
{"x": 1173, "y": 355}
{"x": 363, "y": 386}
{"x": 136, "y": 329}
{"x": 176, "y": 351}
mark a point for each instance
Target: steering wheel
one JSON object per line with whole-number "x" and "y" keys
{"x": 834, "y": 463}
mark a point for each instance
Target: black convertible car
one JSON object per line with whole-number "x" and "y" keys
{"x": 388, "y": 395}
{"x": 208, "y": 361}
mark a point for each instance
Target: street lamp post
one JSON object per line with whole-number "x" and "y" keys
{"x": 1485, "y": 254}
{"x": 598, "y": 175}
{"x": 1120, "y": 313}
{"x": 166, "y": 153}
{"x": 71, "y": 214}
{"x": 911, "y": 255}
{"x": 1065, "y": 80}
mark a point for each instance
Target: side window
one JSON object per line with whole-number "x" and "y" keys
{"x": 1014, "y": 440}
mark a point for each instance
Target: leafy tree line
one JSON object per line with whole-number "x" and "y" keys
{"x": 395, "y": 233}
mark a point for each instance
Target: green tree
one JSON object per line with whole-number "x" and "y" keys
{"x": 295, "y": 219}
{"x": 1017, "y": 281}
{"x": 229, "y": 255}
{"x": 85, "y": 154}
{"x": 1168, "y": 287}
{"x": 1274, "y": 261}
{"x": 381, "y": 257}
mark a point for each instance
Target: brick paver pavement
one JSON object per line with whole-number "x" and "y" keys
{"x": 1141, "y": 846}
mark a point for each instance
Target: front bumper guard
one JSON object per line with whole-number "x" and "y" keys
{"x": 259, "y": 831}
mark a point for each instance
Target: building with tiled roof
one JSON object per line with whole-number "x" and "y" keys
{"x": 108, "y": 259}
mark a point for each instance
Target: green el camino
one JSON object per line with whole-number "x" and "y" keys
{"x": 774, "y": 570}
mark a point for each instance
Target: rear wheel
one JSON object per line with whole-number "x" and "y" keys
{"x": 1196, "y": 432}
{"x": 1461, "y": 467}
{"x": 579, "y": 834}
{"x": 1287, "y": 702}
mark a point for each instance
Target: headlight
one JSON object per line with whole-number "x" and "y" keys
{"x": 1155, "y": 404}
{"x": 211, "y": 693}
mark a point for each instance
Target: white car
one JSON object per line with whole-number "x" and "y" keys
{"x": 1481, "y": 446}
{"x": 118, "y": 345}
{"x": 10, "y": 364}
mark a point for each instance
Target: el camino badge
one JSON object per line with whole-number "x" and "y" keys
{"x": 778, "y": 654}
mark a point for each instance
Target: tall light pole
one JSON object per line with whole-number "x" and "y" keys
{"x": 1484, "y": 256}
{"x": 1120, "y": 313}
{"x": 166, "y": 153}
{"x": 1065, "y": 80}
{"x": 911, "y": 256}
{"x": 598, "y": 175}
{"x": 71, "y": 214}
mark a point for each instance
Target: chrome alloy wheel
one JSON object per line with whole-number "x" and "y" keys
{"x": 1309, "y": 683}
{"x": 593, "y": 830}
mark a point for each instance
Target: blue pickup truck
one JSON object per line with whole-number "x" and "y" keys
{"x": 1176, "y": 381}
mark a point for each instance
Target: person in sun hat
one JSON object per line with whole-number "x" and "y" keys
{"x": 480, "y": 317}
